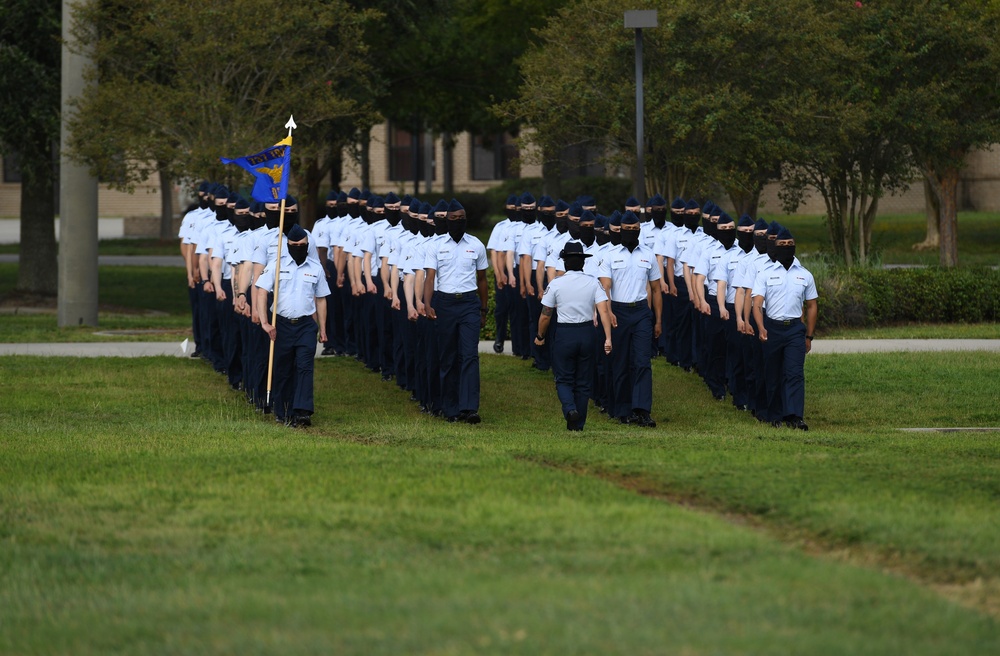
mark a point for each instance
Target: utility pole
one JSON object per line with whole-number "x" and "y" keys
{"x": 637, "y": 20}
{"x": 77, "y": 304}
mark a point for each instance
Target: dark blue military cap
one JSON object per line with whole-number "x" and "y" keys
{"x": 203, "y": 186}
{"x": 332, "y": 196}
{"x": 631, "y": 201}
{"x": 615, "y": 219}
{"x": 391, "y": 198}
{"x": 725, "y": 219}
{"x": 691, "y": 205}
{"x": 707, "y": 208}
{"x": 527, "y": 199}
{"x": 629, "y": 218}
{"x": 512, "y": 200}
{"x": 425, "y": 208}
{"x": 414, "y": 206}
{"x": 297, "y": 233}
{"x": 587, "y": 216}
{"x": 562, "y": 206}
{"x": 242, "y": 204}
{"x": 586, "y": 201}
{"x": 290, "y": 200}
{"x": 441, "y": 206}
{"x": 576, "y": 210}
{"x": 745, "y": 221}
{"x": 342, "y": 197}
{"x": 678, "y": 205}
{"x": 546, "y": 201}
{"x": 716, "y": 210}
{"x": 366, "y": 194}
{"x": 407, "y": 199}
{"x": 761, "y": 224}
{"x": 784, "y": 233}
{"x": 354, "y": 193}
{"x": 774, "y": 228}
{"x": 656, "y": 201}
{"x": 455, "y": 206}
{"x": 375, "y": 201}
{"x": 232, "y": 198}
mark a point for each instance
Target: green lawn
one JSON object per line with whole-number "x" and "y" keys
{"x": 149, "y": 511}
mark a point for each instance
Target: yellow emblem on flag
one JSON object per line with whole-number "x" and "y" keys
{"x": 273, "y": 172}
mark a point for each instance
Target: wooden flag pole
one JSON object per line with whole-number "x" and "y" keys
{"x": 277, "y": 273}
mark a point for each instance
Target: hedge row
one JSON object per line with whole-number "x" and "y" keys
{"x": 878, "y": 297}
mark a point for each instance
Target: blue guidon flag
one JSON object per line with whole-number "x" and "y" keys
{"x": 270, "y": 169}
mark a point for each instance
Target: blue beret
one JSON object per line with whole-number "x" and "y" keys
{"x": 414, "y": 206}
{"x": 616, "y": 218}
{"x": 784, "y": 233}
{"x": 774, "y": 228}
{"x": 455, "y": 206}
{"x": 629, "y": 218}
{"x": 241, "y": 204}
{"x": 527, "y": 198}
{"x": 441, "y": 206}
{"x": 331, "y": 196}
{"x": 376, "y": 201}
{"x": 576, "y": 210}
{"x": 656, "y": 201}
{"x": 745, "y": 221}
{"x": 562, "y": 206}
{"x": 691, "y": 205}
{"x": 587, "y": 216}
{"x": 587, "y": 201}
{"x": 425, "y": 208}
{"x": 391, "y": 198}
{"x": 725, "y": 219}
{"x": 546, "y": 201}
{"x": 512, "y": 200}
{"x": 631, "y": 201}
{"x": 761, "y": 224}
{"x": 342, "y": 197}
{"x": 354, "y": 193}
{"x": 678, "y": 204}
{"x": 290, "y": 200}
{"x": 297, "y": 233}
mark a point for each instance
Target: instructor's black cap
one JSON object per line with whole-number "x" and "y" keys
{"x": 573, "y": 249}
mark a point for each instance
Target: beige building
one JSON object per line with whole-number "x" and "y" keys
{"x": 396, "y": 157}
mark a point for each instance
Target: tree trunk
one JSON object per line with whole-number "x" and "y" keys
{"x": 745, "y": 201}
{"x": 308, "y": 192}
{"x": 933, "y": 214}
{"x": 948, "y": 217}
{"x": 38, "y": 271}
{"x": 448, "y": 163}
{"x": 551, "y": 173}
{"x": 366, "y": 149}
{"x": 166, "y": 206}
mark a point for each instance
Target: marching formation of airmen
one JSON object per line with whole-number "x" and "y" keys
{"x": 401, "y": 286}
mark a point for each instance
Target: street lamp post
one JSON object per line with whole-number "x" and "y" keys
{"x": 638, "y": 20}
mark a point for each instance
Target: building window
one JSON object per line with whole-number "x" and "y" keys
{"x": 11, "y": 168}
{"x": 493, "y": 156}
{"x": 406, "y": 154}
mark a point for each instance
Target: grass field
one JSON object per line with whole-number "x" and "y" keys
{"x": 149, "y": 511}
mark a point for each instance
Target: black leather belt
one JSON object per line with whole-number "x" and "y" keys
{"x": 783, "y": 322}
{"x": 628, "y": 305}
{"x": 295, "y": 320}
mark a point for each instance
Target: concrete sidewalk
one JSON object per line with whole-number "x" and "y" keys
{"x": 173, "y": 349}
{"x": 107, "y": 228}
{"x": 121, "y": 260}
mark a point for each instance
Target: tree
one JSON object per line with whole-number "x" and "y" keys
{"x": 182, "y": 86}
{"x": 30, "y": 58}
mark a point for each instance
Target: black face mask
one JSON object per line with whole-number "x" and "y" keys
{"x": 630, "y": 239}
{"x": 456, "y": 228}
{"x": 659, "y": 218}
{"x": 368, "y": 216}
{"x": 615, "y": 238}
{"x": 602, "y": 238}
{"x": 691, "y": 222}
{"x": 511, "y": 213}
{"x": 441, "y": 226}
{"x": 770, "y": 248}
{"x": 528, "y": 216}
{"x": 548, "y": 219}
{"x": 426, "y": 229}
{"x": 784, "y": 255}
{"x": 291, "y": 219}
{"x": 221, "y": 213}
{"x": 392, "y": 216}
{"x": 272, "y": 218}
{"x": 760, "y": 243}
{"x": 708, "y": 227}
{"x": 412, "y": 225}
{"x": 353, "y": 209}
{"x": 677, "y": 218}
{"x": 242, "y": 222}
{"x": 587, "y": 235}
{"x": 726, "y": 237}
{"x": 203, "y": 203}
{"x": 298, "y": 252}
{"x": 341, "y": 210}
{"x": 562, "y": 224}
{"x": 573, "y": 227}
{"x": 745, "y": 239}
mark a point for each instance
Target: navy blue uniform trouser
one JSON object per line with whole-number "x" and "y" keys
{"x": 755, "y": 369}
{"x": 347, "y": 303}
{"x": 195, "y": 316}
{"x": 336, "y": 332}
{"x": 410, "y": 360}
{"x": 735, "y": 371}
{"x": 211, "y": 345}
{"x": 573, "y": 356}
{"x": 294, "y": 353}
{"x": 520, "y": 342}
{"x": 784, "y": 368}
{"x": 230, "y": 330}
{"x": 715, "y": 349}
{"x": 457, "y": 331}
{"x": 399, "y": 327}
{"x": 631, "y": 358}
{"x": 501, "y": 312}
{"x": 383, "y": 323}
{"x": 539, "y": 353}
{"x": 683, "y": 312}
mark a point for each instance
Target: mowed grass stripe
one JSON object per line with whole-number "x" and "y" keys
{"x": 144, "y": 509}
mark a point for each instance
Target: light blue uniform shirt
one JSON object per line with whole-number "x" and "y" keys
{"x": 299, "y": 285}
{"x": 629, "y": 272}
{"x": 725, "y": 269}
{"x": 574, "y": 294}
{"x": 456, "y": 264}
{"x": 531, "y": 236}
{"x": 784, "y": 291}
{"x": 497, "y": 235}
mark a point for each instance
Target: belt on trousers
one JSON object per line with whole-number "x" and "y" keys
{"x": 573, "y": 325}
{"x": 458, "y": 295}
{"x": 295, "y": 320}
{"x": 629, "y": 305}
{"x": 783, "y": 322}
